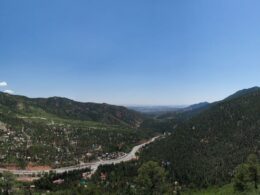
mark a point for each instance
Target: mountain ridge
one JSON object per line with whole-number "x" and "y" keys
{"x": 67, "y": 108}
{"x": 206, "y": 149}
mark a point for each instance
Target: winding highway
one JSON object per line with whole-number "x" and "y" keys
{"x": 93, "y": 165}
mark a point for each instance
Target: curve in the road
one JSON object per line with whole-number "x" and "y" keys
{"x": 93, "y": 165}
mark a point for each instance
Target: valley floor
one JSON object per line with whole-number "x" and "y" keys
{"x": 94, "y": 165}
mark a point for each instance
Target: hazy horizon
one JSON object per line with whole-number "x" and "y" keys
{"x": 129, "y": 53}
{"x": 126, "y": 105}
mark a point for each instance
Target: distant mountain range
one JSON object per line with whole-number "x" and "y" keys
{"x": 156, "y": 109}
{"x": 171, "y": 112}
{"x": 192, "y": 110}
{"x": 186, "y": 112}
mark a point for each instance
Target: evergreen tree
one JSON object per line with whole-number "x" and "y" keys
{"x": 253, "y": 170}
{"x": 7, "y": 183}
{"x": 247, "y": 173}
{"x": 240, "y": 178}
{"x": 151, "y": 179}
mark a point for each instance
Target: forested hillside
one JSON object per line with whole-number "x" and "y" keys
{"x": 69, "y": 109}
{"x": 59, "y": 132}
{"x": 206, "y": 149}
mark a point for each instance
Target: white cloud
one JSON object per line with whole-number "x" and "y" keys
{"x": 9, "y": 91}
{"x": 3, "y": 84}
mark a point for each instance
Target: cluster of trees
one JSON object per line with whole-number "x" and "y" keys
{"x": 70, "y": 179}
{"x": 131, "y": 178}
{"x": 151, "y": 180}
{"x": 7, "y": 183}
{"x": 136, "y": 178}
{"x": 247, "y": 174}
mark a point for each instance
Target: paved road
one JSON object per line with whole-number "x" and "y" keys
{"x": 93, "y": 165}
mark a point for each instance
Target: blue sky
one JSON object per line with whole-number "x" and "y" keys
{"x": 164, "y": 52}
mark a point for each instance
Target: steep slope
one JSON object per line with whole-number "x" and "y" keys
{"x": 206, "y": 149}
{"x": 243, "y": 92}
